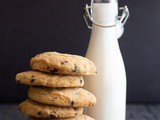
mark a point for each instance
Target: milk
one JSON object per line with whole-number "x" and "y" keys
{"x": 109, "y": 86}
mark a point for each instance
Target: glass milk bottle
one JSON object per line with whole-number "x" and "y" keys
{"x": 109, "y": 86}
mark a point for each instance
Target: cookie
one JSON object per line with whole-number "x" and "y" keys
{"x": 57, "y": 63}
{"x": 35, "y": 78}
{"x": 73, "y": 97}
{"x": 39, "y": 110}
{"x": 81, "y": 117}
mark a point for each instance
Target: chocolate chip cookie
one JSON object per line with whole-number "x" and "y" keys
{"x": 81, "y": 117}
{"x": 57, "y": 63}
{"x": 39, "y": 110}
{"x": 35, "y": 78}
{"x": 73, "y": 97}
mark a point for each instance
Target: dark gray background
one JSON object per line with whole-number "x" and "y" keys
{"x": 29, "y": 27}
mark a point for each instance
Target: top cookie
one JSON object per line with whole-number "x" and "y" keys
{"x": 53, "y": 62}
{"x": 81, "y": 117}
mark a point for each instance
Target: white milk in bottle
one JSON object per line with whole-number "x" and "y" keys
{"x": 109, "y": 85}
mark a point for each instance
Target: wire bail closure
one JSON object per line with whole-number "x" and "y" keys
{"x": 87, "y": 15}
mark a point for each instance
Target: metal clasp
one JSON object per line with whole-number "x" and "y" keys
{"x": 87, "y": 15}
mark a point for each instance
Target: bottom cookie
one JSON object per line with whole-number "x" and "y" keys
{"x": 81, "y": 117}
{"x": 39, "y": 110}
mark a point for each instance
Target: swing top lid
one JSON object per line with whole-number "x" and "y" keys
{"x": 104, "y": 1}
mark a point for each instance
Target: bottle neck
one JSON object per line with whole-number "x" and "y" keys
{"x": 105, "y": 13}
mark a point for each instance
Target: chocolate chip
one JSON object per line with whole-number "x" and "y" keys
{"x": 54, "y": 70}
{"x": 32, "y": 80}
{"x": 75, "y": 114}
{"x": 32, "y": 76}
{"x": 18, "y": 81}
{"x": 31, "y": 64}
{"x": 39, "y": 113}
{"x": 62, "y": 63}
{"x": 96, "y": 72}
{"x": 93, "y": 104}
{"x": 75, "y": 109}
{"x": 52, "y": 115}
{"x": 47, "y": 68}
{"x": 55, "y": 98}
{"x": 72, "y": 103}
{"x": 75, "y": 68}
{"x": 81, "y": 81}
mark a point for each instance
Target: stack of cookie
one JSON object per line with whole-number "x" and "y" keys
{"x": 56, "y": 91}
